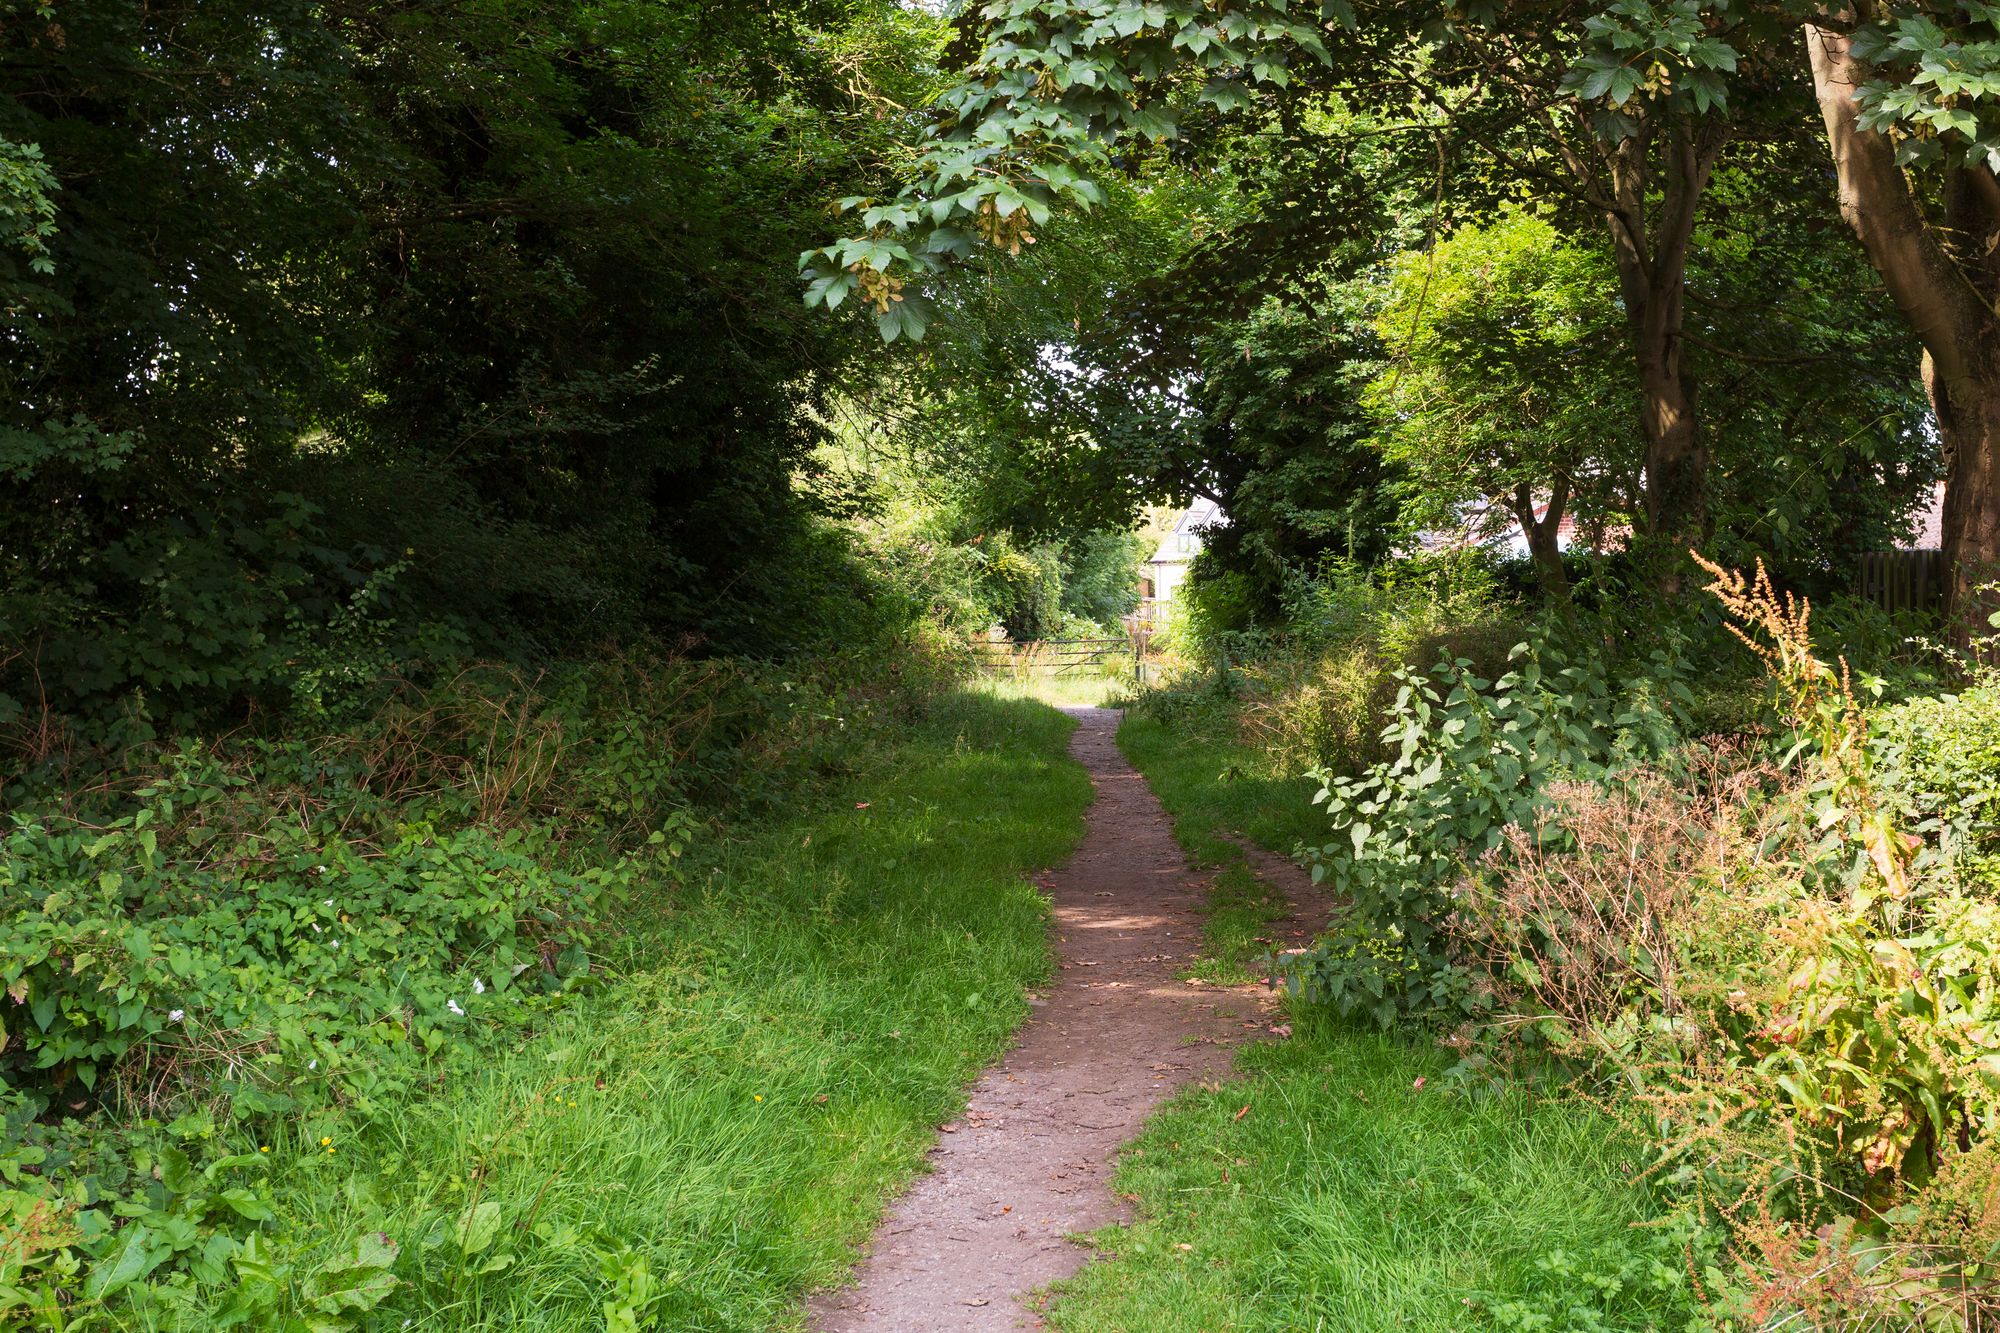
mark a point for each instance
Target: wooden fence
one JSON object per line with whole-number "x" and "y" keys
{"x": 1903, "y": 580}
{"x": 1049, "y": 657}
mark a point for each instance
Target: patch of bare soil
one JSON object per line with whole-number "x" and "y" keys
{"x": 1029, "y": 1162}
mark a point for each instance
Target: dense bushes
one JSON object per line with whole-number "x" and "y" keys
{"x": 346, "y": 305}
{"x": 1775, "y": 947}
{"x": 214, "y": 945}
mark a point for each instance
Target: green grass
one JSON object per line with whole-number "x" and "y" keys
{"x": 727, "y": 1119}
{"x": 1219, "y": 790}
{"x": 1350, "y": 1197}
{"x": 1077, "y": 689}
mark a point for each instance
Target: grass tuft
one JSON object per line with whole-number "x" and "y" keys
{"x": 1218, "y": 790}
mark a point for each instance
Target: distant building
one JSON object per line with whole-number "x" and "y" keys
{"x": 1929, "y": 524}
{"x": 1168, "y": 567}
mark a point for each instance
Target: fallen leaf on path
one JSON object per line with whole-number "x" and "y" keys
{"x": 1281, "y": 1030}
{"x": 861, "y": 805}
{"x": 978, "y": 1301}
{"x": 1245, "y": 1111}
{"x": 951, "y": 1127}
{"x": 1418, "y": 1086}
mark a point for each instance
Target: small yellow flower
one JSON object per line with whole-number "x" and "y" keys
{"x": 329, "y": 1152}
{"x": 572, "y": 1101}
{"x": 264, "y": 1149}
{"x": 324, "y": 1142}
{"x": 757, "y": 1096}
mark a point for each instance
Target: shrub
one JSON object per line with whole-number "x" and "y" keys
{"x": 220, "y": 945}
{"x": 1940, "y": 754}
{"x": 1581, "y": 922}
{"x": 1472, "y": 759}
{"x": 1317, "y": 695}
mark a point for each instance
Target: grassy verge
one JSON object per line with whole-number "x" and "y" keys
{"x": 1360, "y": 1190}
{"x": 1079, "y": 689}
{"x": 703, "y": 1138}
{"x": 1219, "y": 790}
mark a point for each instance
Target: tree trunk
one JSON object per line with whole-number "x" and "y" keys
{"x": 1652, "y": 278}
{"x": 1945, "y": 277}
{"x": 1544, "y": 536}
{"x": 1971, "y": 434}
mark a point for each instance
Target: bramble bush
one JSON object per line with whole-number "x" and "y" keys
{"x": 213, "y": 947}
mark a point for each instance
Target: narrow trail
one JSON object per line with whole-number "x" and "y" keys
{"x": 1030, "y": 1161}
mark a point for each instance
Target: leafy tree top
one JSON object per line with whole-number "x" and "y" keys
{"x": 1058, "y": 85}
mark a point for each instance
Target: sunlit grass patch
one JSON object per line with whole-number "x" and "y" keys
{"x": 1344, "y": 1183}
{"x": 1076, "y": 689}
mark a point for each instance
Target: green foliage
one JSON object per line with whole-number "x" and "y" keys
{"x": 1054, "y": 90}
{"x": 1506, "y": 377}
{"x": 1365, "y": 1190}
{"x": 205, "y": 908}
{"x": 1940, "y": 88}
{"x": 1471, "y": 758}
{"x": 1638, "y": 52}
{"x": 355, "y": 315}
{"x": 1658, "y": 1277}
{"x": 339, "y": 970}
{"x": 27, "y": 213}
{"x": 1941, "y": 755}
{"x": 1027, "y": 588}
{"x": 1283, "y": 444}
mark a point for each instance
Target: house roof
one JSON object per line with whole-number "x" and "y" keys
{"x": 1183, "y": 539}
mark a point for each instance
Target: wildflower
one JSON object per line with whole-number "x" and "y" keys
{"x": 265, "y": 1148}
{"x": 453, "y": 1006}
{"x": 478, "y": 986}
{"x": 327, "y": 902}
{"x": 176, "y": 1015}
{"x": 324, "y": 1141}
{"x": 312, "y": 1064}
{"x": 756, "y": 1096}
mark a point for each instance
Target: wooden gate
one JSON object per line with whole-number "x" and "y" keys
{"x": 1049, "y": 657}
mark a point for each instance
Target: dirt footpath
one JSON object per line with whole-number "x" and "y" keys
{"x": 1030, "y": 1160}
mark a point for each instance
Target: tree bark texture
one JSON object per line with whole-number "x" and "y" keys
{"x": 1652, "y": 277}
{"x": 1544, "y": 535}
{"x": 1944, "y": 274}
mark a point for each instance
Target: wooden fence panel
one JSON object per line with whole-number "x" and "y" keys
{"x": 1903, "y": 580}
